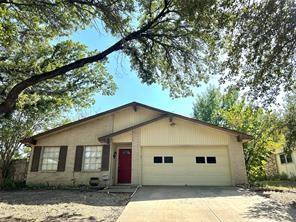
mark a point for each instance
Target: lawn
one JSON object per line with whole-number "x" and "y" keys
{"x": 278, "y": 185}
{"x": 61, "y": 205}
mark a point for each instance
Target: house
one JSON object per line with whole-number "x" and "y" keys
{"x": 286, "y": 163}
{"x": 139, "y": 145}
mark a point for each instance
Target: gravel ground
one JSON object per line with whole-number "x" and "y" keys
{"x": 285, "y": 198}
{"x": 57, "y": 205}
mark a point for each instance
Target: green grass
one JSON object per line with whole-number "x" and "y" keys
{"x": 277, "y": 185}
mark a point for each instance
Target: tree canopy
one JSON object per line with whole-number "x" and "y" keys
{"x": 289, "y": 122}
{"x": 177, "y": 44}
{"x": 229, "y": 110}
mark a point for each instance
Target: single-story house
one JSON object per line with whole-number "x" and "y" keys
{"x": 286, "y": 163}
{"x": 139, "y": 145}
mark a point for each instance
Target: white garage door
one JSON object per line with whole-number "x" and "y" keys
{"x": 185, "y": 166}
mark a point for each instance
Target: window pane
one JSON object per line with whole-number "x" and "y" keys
{"x": 200, "y": 159}
{"x": 158, "y": 159}
{"x": 289, "y": 158}
{"x": 50, "y": 158}
{"x": 211, "y": 159}
{"x": 92, "y": 158}
{"x": 282, "y": 158}
{"x": 168, "y": 159}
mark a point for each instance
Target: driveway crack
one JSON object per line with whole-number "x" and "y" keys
{"x": 214, "y": 214}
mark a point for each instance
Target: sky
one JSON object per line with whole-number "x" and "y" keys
{"x": 129, "y": 85}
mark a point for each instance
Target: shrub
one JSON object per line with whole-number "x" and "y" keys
{"x": 281, "y": 176}
{"x": 9, "y": 184}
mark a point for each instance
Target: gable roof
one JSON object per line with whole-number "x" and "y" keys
{"x": 32, "y": 139}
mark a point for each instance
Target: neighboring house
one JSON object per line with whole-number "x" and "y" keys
{"x": 286, "y": 163}
{"x": 140, "y": 145}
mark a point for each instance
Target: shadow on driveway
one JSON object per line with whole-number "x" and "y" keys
{"x": 168, "y": 204}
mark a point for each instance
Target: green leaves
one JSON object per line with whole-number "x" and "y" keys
{"x": 72, "y": 89}
{"x": 229, "y": 111}
{"x": 289, "y": 123}
{"x": 260, "y": 49}
{"x": 177, "y": 44}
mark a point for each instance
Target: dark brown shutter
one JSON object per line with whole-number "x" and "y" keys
{"x": 78, "y": 158}
{"x": 105, "y": 158}
{"x": 36, "y": 158}
{"x": 62, "y": 158}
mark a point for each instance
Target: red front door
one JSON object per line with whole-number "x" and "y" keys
{"x": 124, "y": 165}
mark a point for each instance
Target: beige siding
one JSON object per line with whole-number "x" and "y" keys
{"x": 87, "y": 133}
{"x": 288, "y": 168}
{"x": 184, "y": 132}
{"x": 184, "y": 170}
{"x": 187, "y": 134}
{"x": 184, "y": 135}
{"x": 123, "y": 138}
{"x": 128, "y": 117}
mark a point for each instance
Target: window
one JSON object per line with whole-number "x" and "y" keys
{"x": 200, "y": 159}
{"x": 211, "y": 159}
{"x": 158, "y": 159}
{"x": 92, "y": 158}
{"x": 289, "y": 158}
{"x": 50, "y": 158}
{"x": 168, "y": 159}
{"x": 286, "y": 158}
{"x": 283, "y": 158}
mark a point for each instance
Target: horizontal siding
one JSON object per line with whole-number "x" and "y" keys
{"x": 87, "y": 133}
{"x": 289, "y": 168}
{"x": 184, "y": 132}
{"x": 128, "y": 117}
{"x": 123, "y": 138}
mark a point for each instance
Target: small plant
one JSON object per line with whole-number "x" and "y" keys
{"x": 9, "y": 184}
{"x": 284, "y": 176}
{"x": 277, "y": 177}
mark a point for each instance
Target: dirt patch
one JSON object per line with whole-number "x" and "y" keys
{"x": 56, "y": 205}
{"x": 285, "y": 198}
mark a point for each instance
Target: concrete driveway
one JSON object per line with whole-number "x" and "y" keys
{"x": 184, "y": 204}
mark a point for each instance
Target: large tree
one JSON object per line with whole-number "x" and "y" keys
{"x": 289, "y": 122}
{"x": 27, "y": 120}
{"x": 210, "y": 104}
{"x": 171, "y": 42}
{"x": 229, "y": 110}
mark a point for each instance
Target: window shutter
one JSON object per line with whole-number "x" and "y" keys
{"x": 62, "y": 158}
{"x": 78, "y": 158}
{"x": 105, "y": 158}
{"x": 36, "y": 159}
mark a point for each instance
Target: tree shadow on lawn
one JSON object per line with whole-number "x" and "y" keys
{"x": 42, "y": 197}
{"x": 58, "y": 218}
{"x": 272, "y": 210}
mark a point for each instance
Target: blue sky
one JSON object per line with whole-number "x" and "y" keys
{"x": 129, "y": 86}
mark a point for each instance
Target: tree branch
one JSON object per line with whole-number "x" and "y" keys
{"x": 9, "y": 103}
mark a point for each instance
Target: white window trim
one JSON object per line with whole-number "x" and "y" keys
{"x": 41, "y": 158}
{"x": 286, "y": 160}
{"x": 83, "y": 159}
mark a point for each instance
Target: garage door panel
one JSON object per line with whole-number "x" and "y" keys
{"x": 172, "y": 180}
{"x": 184, "y": 170}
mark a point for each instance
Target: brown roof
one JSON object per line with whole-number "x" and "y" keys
{"x": 135, "y": 105}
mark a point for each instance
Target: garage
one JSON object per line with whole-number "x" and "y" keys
{"x": 188, "y": 165}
